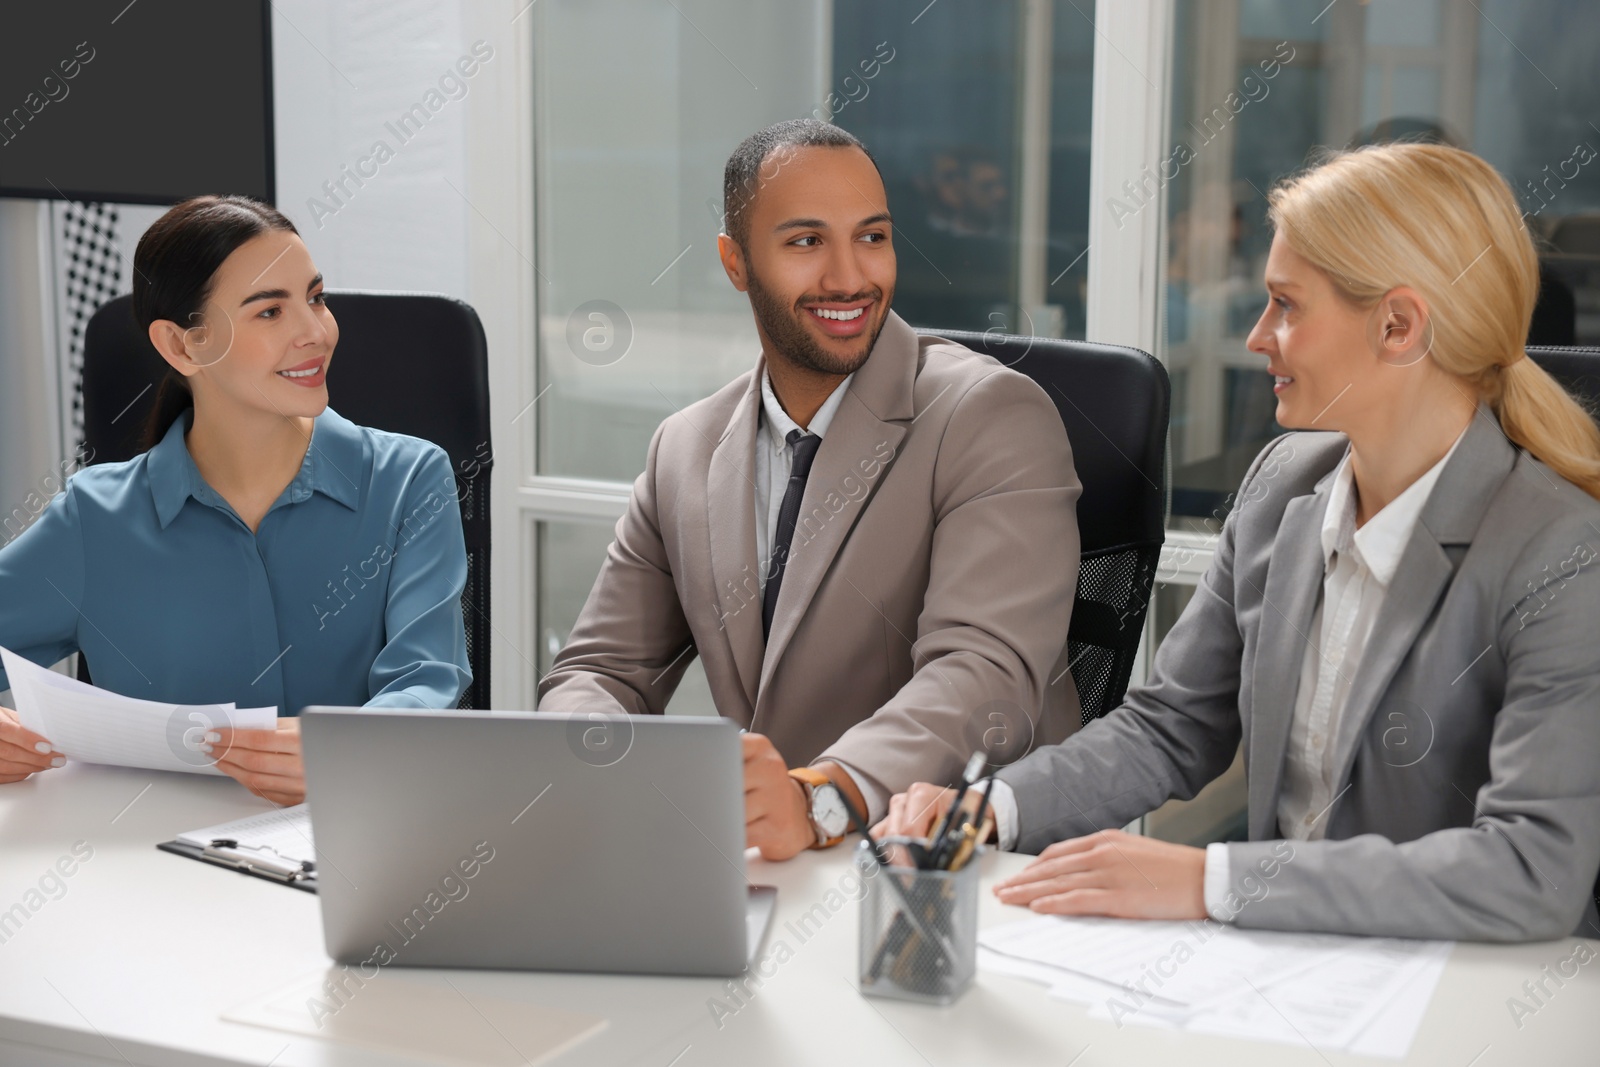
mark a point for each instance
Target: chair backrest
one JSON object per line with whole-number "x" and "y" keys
{"x": 1577, "y": 368}
{"x": 1114, "y": 403}
{"x": 411, "y": 363}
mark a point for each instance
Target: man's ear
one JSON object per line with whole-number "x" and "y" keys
{"x": 732, "y": 257}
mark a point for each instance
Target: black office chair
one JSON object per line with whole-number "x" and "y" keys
{"x": 1114, "y": 402}
{"x": 1576, "y": 367}
{"x": 392, "y": 350}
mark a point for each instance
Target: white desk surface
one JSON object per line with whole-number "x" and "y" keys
{"x": 140, "y": 957}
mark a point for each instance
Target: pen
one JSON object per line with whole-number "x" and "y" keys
{"x": 978, "y": 831}
{"x": 968, "y": 776}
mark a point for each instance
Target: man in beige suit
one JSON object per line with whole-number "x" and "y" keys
{"x": 869, "y": 539}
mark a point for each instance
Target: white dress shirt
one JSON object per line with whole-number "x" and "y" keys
{"x": 1358, "y": 567}
{"x": 774, "y": 461}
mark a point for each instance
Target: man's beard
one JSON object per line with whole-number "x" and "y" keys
{"x": 794, "y": 342}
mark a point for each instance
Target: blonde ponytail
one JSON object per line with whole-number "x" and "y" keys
{"x": 1445, "y": 223}
{"x": 1540, "y": 416}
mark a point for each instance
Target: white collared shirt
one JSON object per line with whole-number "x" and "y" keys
{"x": 775, "y": 459}
{"x": 1358, "y": 567}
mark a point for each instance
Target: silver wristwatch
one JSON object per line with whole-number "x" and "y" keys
{"x": 829, "y": 819}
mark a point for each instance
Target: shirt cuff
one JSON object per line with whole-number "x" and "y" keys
{"x": 1003, "y": 802}
{"x": 1216, "y": 882}
{"x": 875, "y": 796}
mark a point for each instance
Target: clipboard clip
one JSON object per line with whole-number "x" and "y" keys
{"x": 263, "y": 860}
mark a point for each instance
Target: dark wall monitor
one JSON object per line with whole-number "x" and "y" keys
{"x": 148, "y": 102}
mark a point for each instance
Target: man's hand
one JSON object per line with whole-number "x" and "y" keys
{"x": 1125, "y": 876}
{"x": 915, "y": 812}
{"x": 775, "y": 817}
{"x": 23, "y": 752}
{"x": 266, "y": 762}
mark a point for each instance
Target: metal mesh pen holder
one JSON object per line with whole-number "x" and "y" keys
{"x": 919, "y": 933}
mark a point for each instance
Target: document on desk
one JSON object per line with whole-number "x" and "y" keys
{"x": 470, "y": 1020}
{"x": 284, "y": 831}
{"x": 1352, "y": 994}
{"x": 94, "y": 725}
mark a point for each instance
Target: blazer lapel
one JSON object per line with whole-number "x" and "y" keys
{"x": 1409, "y": 602}
{"x": 730, "y": 513}
{"x": 872, "y": 414}
{"x": 1451, "y": 516}
{"x": 1294, "y": 582}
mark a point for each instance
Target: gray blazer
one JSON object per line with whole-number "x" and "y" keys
{"x": 1469, "y": 801}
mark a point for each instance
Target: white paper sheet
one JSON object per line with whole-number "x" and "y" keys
{"x": 1351, "y": 994}
{"x": 433, "y": 1017}
{"x": 1186, "y": 964}
{"x": 94, "y": 725}
{"x": 286, "y": 831}
{"x": 1064, "y": 985}
{"x": 1331, "y": 1006}
{"x": 1392, "y": 1032}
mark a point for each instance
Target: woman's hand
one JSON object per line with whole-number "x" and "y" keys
{"x": 915, "y": 812}
{"x": 266, "y": 762}
{"x": 23, "y": 752}
{"x": 1125, "y": 876}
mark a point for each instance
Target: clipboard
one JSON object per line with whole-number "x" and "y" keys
{"x": 247, "y": 859}
{"x": 276, "y": 845}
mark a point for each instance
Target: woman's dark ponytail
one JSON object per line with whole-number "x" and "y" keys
{"x": 173, "y": 268}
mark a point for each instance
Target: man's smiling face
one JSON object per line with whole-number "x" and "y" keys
{"x": 818, "y": 262}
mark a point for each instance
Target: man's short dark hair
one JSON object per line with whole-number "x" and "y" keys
{"x": 747, "y": 168}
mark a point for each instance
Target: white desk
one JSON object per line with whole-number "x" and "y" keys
{"x": 140, "y": 956}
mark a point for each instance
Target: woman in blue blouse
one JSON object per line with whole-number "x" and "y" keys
{"x": 264, "y": 551}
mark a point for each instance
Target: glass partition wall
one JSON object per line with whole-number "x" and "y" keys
{"x": 979, "y": 113}
{"x": 982, "y": 135}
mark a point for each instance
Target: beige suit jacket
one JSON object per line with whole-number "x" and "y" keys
{"x": 924, "y": 608}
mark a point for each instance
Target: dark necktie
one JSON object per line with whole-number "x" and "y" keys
{"x": 805, "y": 450}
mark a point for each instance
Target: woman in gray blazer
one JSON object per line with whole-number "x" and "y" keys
{"x": 1401, "y": 621}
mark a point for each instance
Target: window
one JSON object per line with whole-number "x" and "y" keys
{"x": 1258, "y": 84}
{"x": 978, "y": 114}
{"x": 983, "y": 139}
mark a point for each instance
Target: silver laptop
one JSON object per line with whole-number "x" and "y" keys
{"x": 531, "y": 841}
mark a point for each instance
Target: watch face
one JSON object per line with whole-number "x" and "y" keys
{"x": 827, "y": 809}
